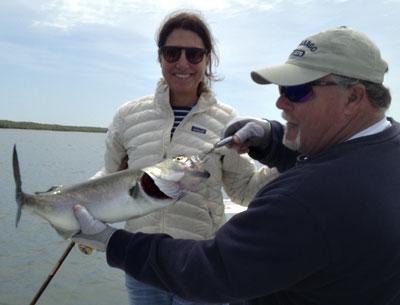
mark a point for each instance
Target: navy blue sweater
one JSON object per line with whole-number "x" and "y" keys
{"x": 326, "y": 231}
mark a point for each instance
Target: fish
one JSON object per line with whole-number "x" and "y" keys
{"x": 115, "y": 197}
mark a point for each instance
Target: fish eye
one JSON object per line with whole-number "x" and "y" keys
{"x": 180, "y": 158}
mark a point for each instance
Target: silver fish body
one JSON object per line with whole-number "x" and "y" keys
{"x": 113, "y": 198}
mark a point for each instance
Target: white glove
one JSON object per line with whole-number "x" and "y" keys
{"x": 248, "y": 132}
{"x": 94, "y": 233}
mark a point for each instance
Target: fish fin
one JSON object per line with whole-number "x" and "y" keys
{"x": 19, "y": 195}
{"x": 134, "y": 191}
{"x": 51, "y": 189}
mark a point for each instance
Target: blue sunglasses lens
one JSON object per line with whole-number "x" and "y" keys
{"x": 297, "y": 94}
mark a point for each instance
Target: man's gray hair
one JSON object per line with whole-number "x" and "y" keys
{"x": 378, "y": 94}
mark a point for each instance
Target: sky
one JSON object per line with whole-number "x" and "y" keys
{"x": 73, "y": 62}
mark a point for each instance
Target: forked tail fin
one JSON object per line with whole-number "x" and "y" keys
{"x": 19, "y": 195}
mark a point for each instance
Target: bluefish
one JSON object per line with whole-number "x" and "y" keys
{"x": 115, "y": 197}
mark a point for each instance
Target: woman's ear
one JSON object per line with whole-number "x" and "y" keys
{"x": 159, "y": 58}
{"x": 208, "y": 58}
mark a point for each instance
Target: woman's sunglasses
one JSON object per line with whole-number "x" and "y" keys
{"x": 304, "y": 92}
{"x": 172, "y": 54}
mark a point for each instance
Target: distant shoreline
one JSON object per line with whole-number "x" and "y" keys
{"x": 52, "y": 127}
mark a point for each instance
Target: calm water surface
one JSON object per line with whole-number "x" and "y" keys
{"x": 29, "y": 252}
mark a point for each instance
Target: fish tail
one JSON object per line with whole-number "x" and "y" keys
{"x": 19, "y": 195}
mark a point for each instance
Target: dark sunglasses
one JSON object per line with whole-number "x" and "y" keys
{"x": 172, "y": 54}
{"x": 304, "y": 92}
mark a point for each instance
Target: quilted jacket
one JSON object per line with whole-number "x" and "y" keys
{"x": 141, "y": 130}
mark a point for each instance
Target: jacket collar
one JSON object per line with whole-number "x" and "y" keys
{"x": 162, "y": 103}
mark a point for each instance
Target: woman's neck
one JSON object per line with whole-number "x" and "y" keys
{"x": 183, "y": 100}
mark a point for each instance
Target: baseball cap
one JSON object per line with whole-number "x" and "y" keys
{"x": 342, "y": 51}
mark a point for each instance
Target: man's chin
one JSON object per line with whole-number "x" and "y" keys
{"x": 292, "y": 144}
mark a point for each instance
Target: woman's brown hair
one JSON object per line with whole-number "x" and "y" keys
{"x": 193, "y": 22}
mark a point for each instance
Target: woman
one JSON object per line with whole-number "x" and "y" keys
{"x": 182, "y": 118}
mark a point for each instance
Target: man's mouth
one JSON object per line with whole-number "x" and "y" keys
{"x": 291, "y": 125}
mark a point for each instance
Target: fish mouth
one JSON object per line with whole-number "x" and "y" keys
{"x": 173, "y": 178}
{"x": 201, "y": 174}
{"x": 150, "y": 187}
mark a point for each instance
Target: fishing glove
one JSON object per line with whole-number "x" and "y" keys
{"x": 253, "y": 133}
{"x": 94, "y": 233}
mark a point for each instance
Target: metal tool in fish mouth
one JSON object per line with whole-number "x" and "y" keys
{"x": 220, "y": 143}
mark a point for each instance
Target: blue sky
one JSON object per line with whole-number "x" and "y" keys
{"x": 74, "y": 62}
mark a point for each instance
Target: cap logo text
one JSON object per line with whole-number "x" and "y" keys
{"x": 298, "y": 53}
{"x": 309, "y": 44}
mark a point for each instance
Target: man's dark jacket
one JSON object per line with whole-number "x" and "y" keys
{"x": 326, "y": 231}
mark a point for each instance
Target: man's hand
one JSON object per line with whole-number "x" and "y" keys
{"x": 248, "y": 133}
{"x": 93, "y": 233}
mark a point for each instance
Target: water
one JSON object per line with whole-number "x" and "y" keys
{"x": 29, "y": 252}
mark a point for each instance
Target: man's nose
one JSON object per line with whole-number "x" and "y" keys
{"x": 284, "y": 103}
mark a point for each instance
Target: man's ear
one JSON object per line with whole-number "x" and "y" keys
{"x": 352, "y": 98}
{"x": 355, "y": 98}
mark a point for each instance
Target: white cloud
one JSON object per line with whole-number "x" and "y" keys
{"x": 67, "y": 14}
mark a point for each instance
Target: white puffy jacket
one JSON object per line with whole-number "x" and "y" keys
{"x": 142, "y": 130}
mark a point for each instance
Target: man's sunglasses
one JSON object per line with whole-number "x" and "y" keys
{"x": 172, "y": 54}
{"x": 304, "y": 92}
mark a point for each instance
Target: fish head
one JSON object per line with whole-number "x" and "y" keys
{"x": 174, "y": 177}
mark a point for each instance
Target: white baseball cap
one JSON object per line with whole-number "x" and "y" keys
{"x": 342, "y": 51}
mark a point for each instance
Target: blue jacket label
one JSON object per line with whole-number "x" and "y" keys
{"x": 198, "y": 129}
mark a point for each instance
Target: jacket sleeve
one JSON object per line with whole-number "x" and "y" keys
{"x": 115, "y": 152}
{"x": 267, "y": 248}
{"x": 241, "y": 178}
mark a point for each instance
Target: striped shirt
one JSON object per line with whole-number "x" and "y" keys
{"x": 179, "y": 113}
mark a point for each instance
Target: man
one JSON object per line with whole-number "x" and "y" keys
{"x": 327, "y": 230}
